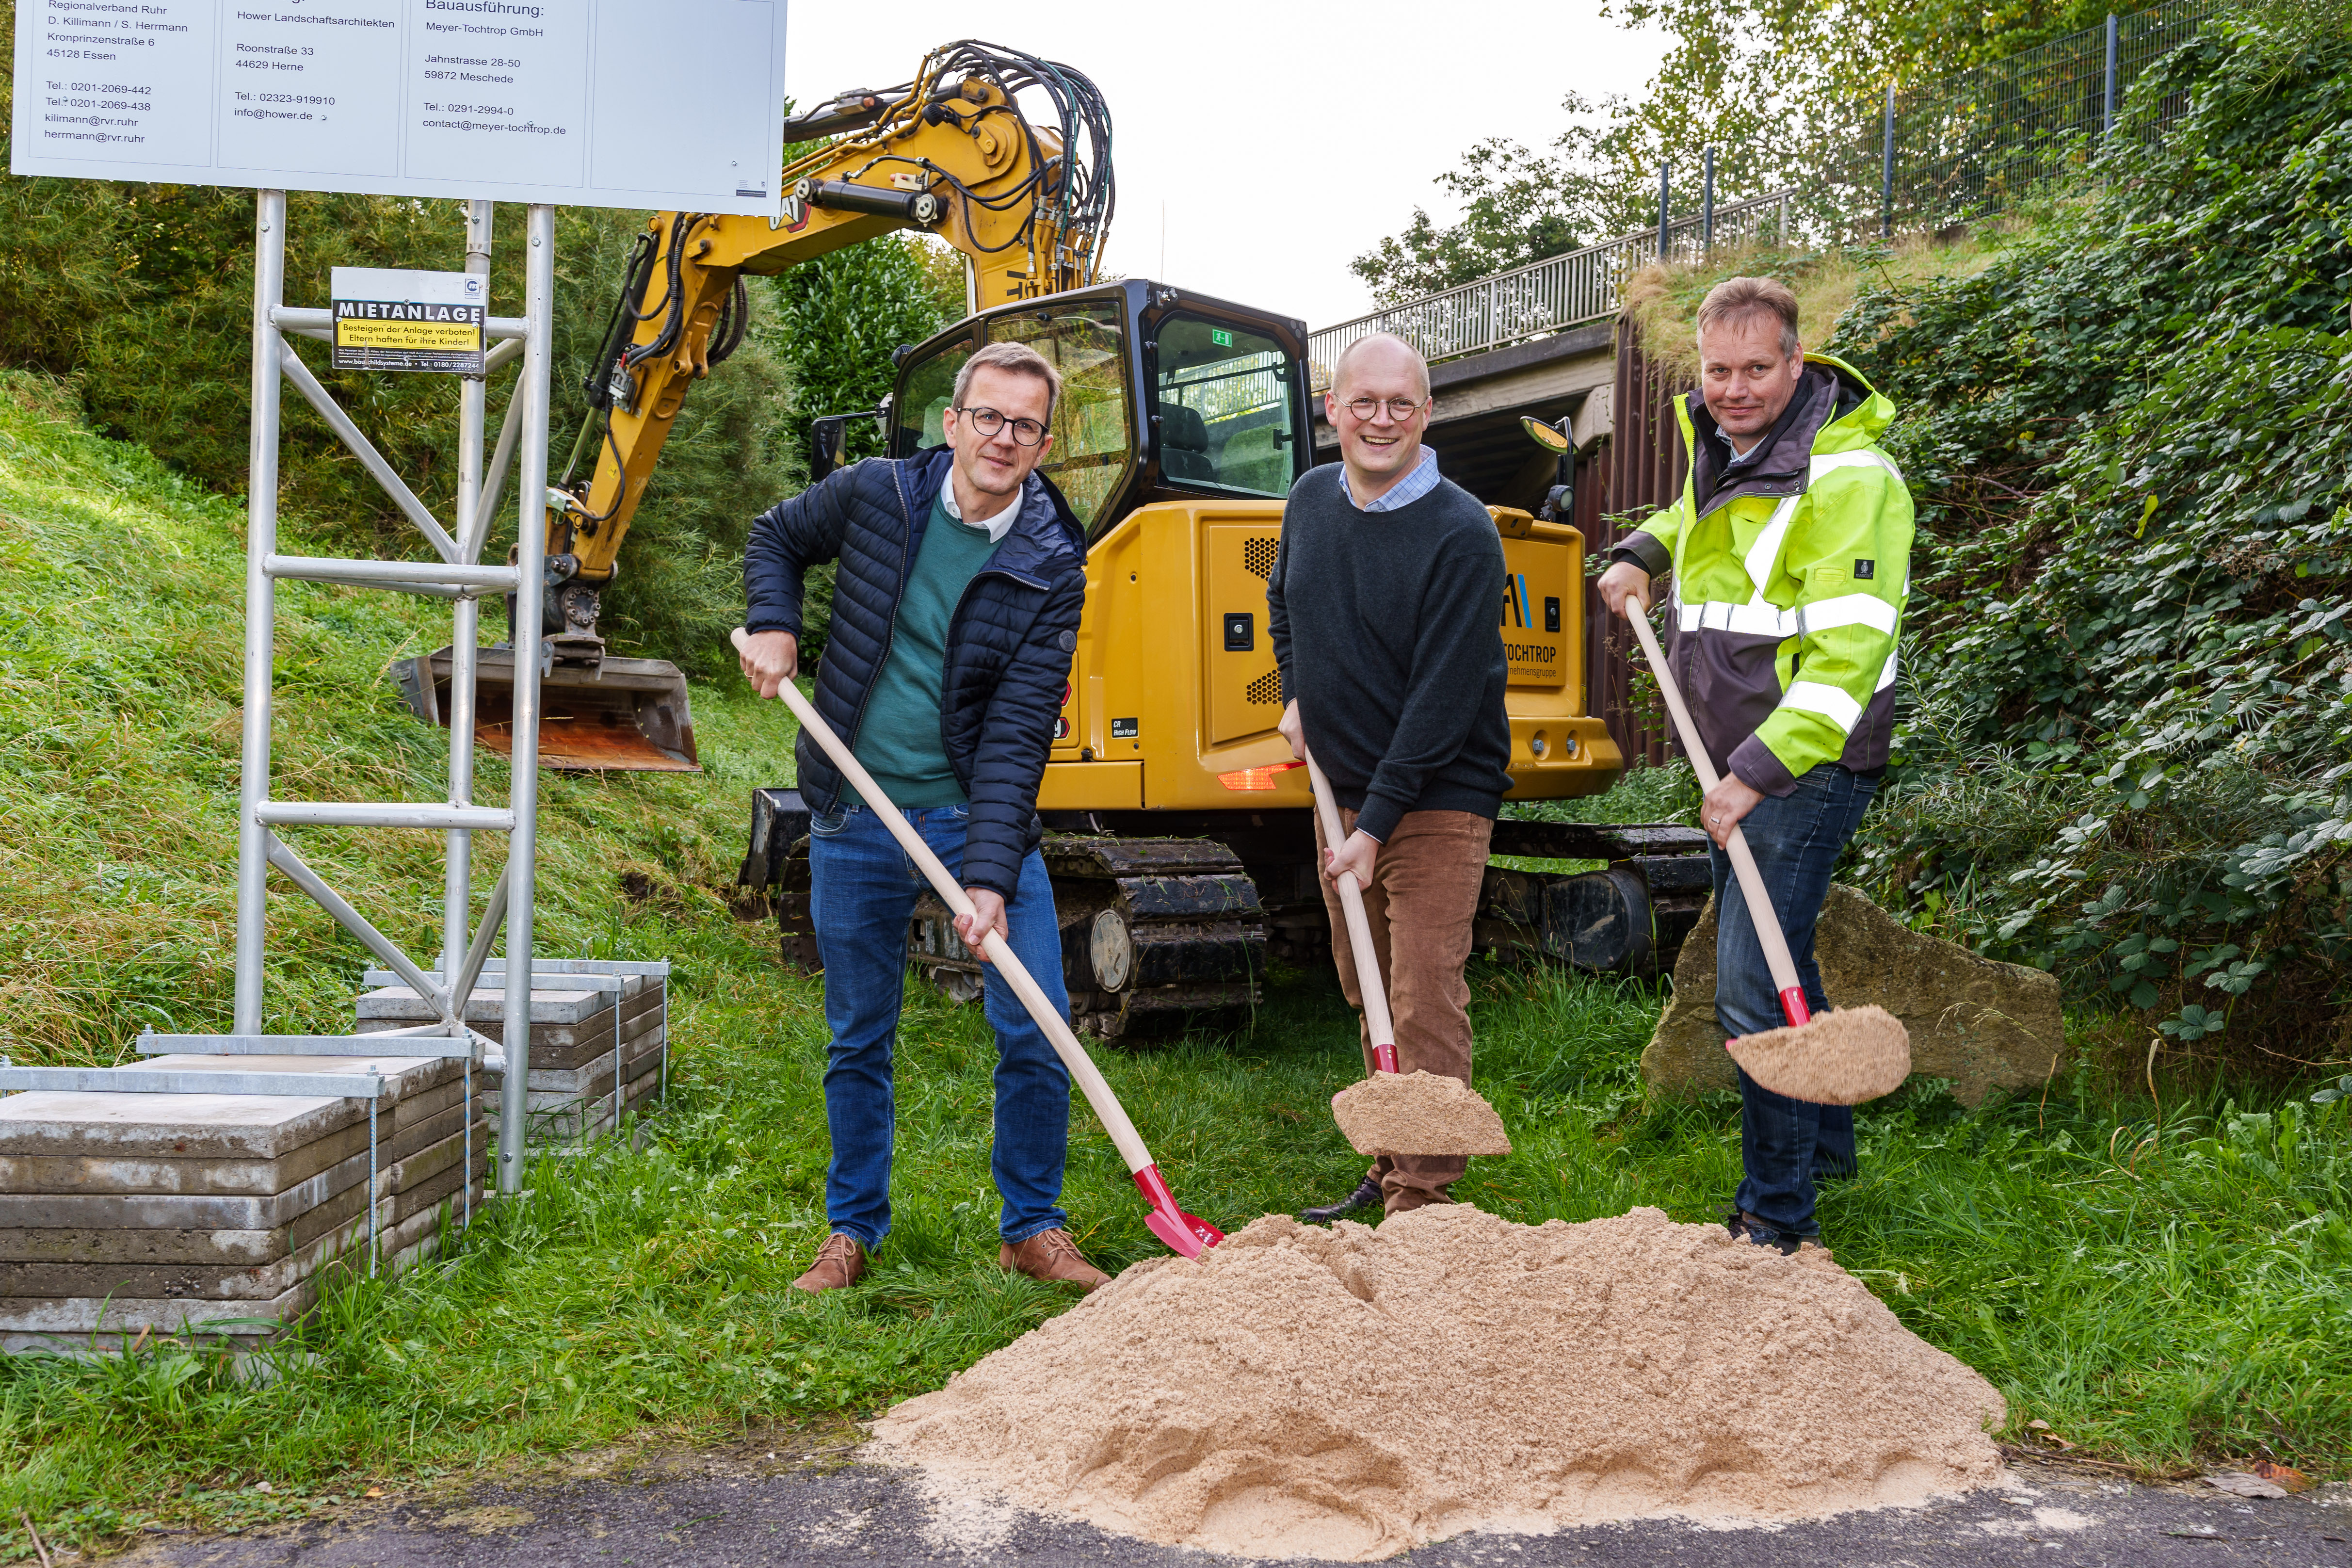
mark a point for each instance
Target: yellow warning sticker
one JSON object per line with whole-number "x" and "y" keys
{"x": 443, "y": 336}
{"x": 390, "y": 319}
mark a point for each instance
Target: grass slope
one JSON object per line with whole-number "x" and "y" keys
{"x": 1665, "y": 300}
{"x": 2156, "y": 1286}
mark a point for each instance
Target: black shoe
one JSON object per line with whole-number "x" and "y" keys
{"x": 1366, "y": 1196}
{"x": 1746, "y": 1226}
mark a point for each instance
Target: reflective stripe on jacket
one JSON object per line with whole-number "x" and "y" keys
{"x": 1790, "y": 576}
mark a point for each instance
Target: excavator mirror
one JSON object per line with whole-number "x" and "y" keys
{"x": 1551, "y": 438}
{"x": 1560, "y": 502}
{"x": 826, "y": 438}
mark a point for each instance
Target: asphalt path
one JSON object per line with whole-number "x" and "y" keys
{"x": 721, "y": 1509}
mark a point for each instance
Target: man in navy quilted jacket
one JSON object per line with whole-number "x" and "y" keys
{"x": 955, "y": 612}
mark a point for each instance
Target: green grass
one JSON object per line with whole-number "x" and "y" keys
{"x": 2156, "y": 1285}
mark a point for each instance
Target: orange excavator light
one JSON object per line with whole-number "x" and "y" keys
{"x": 1256, "y": 778}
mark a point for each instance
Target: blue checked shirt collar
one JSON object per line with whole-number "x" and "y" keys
{"x": 1406, "y": 490}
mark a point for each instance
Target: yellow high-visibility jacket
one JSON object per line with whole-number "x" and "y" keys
{"x": 1789, "y": 576}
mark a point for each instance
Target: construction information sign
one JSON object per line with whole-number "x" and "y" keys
{"x": 386, "y": 319}
{"x": 621, "y": 103}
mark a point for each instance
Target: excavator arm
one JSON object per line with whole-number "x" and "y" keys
{"x": 950, "y": 153}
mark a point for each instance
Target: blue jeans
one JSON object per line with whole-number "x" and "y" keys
{"x": 1784, "y": 1143}
{"x": 863, "y": 895}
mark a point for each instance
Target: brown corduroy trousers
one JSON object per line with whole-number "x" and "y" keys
{"x": 1421, "y": 906}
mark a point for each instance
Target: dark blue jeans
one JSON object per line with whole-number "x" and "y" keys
{"x": 863, "y": 895}
{"x": 1785, "y": 1143}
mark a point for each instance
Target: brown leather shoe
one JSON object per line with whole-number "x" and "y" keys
{"x": 840, "y": 1261}
{"x": 1052, "y": 1256}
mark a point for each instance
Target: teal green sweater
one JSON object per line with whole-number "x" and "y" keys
{"x": 899, "y": 739}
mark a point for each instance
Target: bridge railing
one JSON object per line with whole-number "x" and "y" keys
{"x": 1547, "y": 296}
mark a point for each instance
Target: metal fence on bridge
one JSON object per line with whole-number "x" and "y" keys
{"x": 1546, "y": 296}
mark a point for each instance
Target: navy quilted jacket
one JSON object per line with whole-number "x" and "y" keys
{"x": 1009, "y": 643}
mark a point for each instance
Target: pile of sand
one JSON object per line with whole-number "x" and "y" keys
{"x": 1418, "y": 1113}
{"x": 1841, "y": 1058}
{"x": 1350, "y": 1393}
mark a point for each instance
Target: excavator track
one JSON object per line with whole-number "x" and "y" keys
{"x": 1152, "y": 929}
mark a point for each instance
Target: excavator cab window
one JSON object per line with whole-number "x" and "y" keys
{"x": 1093, "y": 438}
{"x": 1223, "y": 403}
{"x": 925, "y": 392}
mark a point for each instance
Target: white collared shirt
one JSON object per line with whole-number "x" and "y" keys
{"x": 998, "y": 525}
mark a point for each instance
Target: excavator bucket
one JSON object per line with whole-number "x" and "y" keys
{"x": 627, "y": 715}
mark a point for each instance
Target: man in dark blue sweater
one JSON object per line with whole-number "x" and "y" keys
{"x": 955, "y": 613}
{"x": 1384, "y": 607}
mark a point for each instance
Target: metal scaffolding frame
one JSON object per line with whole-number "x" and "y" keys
{"x": 458, "y": 575}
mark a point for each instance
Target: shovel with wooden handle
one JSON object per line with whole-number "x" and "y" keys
{"x": 1847, "y": 1056}
{"x": 1187, "y": 1235}
{"x": 1445, "y": 1118}
{"x": 1360, "y": 930}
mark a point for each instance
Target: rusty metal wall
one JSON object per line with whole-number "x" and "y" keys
{"x": 1639, "y": 469}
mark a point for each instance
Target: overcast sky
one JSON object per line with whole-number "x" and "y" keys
{"x": 1283, "y": 138}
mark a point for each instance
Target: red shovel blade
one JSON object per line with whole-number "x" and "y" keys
{"x": 1187, "y": 1235}
{"x": 1384, "y": 1058}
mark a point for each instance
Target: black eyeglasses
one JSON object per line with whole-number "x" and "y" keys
{"x": 988, "y": 422}
{"x": 1368, "y": 408}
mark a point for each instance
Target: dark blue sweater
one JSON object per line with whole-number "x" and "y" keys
{"x": 1387, "y": 625}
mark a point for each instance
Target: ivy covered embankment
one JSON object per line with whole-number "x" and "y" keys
{"x": 2124, "y": 749}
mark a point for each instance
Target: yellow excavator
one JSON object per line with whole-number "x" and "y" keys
{"x": 1181, "y": 846}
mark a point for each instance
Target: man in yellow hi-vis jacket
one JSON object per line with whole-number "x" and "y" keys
{"x": 1790, "y": 550}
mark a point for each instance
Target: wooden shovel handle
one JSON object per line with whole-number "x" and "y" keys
{"x": 1359, "y": 929}
{"x": 1760, "y": 913}
{"x": 1048, "y": 1016}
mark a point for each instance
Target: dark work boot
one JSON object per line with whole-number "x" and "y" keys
{"x": 1746, "y": 1226}
{"x": 1366, "y": 1196}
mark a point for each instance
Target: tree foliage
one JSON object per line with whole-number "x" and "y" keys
{"x": 1777, "y": 86}
{"x": 2131, "y": 437}
{"x": 1517, "y": 206}
{"x": 1785, "y": 91}
{"x": 837, "y": 318}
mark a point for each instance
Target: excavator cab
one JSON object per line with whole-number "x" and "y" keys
{"x": 1165, "y": 396}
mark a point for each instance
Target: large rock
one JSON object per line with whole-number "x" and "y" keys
{"x": 1983, "y": 1024}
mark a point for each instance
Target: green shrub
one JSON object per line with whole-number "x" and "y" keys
{"x": 2126, "y": 746}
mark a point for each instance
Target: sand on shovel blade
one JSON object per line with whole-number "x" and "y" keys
{"x": 1841, "y": 1058}
{"x": 1418, "y": 1113}
{"x": 1353, "y": 1392}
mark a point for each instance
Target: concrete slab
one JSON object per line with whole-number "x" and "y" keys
{"x": 591, "y": 1076}
{"x": 564, "y": 1122}
{"x": 159, "y": 1249}
{"x": 28, "y": 1324}
{"x": 570, "y": 1058}
{"x": 180, "y": 1211}
{"x": 261, "y": 1126}
{"x": 396, "y": 1008}
{"x": 29, "y": 1174}
{"x": 391, "y": 1208}
{"x": 404, "y": 1075}
{"x": 170, "y": 1126}
{"x": 549, "y": 1006}
{"x": 210, "y": 1281}
{"x": 597, "y": 1086}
